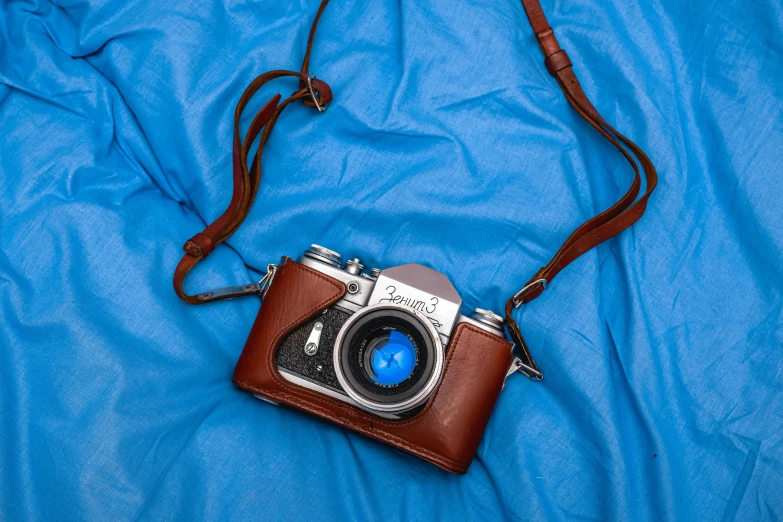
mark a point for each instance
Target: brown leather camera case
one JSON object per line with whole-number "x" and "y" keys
{"x": 446, "y": 432}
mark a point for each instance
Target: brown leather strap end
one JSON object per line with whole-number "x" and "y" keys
{"x": 200, "y": 245}
{"x": 557, "y": 62}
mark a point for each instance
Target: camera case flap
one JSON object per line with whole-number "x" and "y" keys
{"x": 446, "y": 432}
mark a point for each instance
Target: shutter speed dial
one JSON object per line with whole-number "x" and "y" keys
{"x": 324, "y": 255}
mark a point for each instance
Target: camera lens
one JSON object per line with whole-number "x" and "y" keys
{"x": 388, "y": 358}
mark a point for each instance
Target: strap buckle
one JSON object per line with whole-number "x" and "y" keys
{"x": 310, "y": 78}
{"x": 517, "y": 299}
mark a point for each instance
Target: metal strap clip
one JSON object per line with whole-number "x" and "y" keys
{"x": 518, "y": 366}
{"x": 266, "y": 281}
{"x": 517, "y": 299}
{"x": 310, "y": 78}
{"x": 230, "y": 292}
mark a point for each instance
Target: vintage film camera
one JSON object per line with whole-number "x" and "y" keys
{"x": 382, "y": 346}
{"x": 386, "y": 354}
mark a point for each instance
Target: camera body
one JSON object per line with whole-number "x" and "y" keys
{"x": 406, "y": 313}
{"x": 384, "y": 353}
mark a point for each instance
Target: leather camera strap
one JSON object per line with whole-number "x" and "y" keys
{"x": 315, "y": 93}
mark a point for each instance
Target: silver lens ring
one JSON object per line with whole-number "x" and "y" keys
{"x": 422, "y": 395}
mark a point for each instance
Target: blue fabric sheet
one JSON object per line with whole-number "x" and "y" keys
{"x": 448, "y": 144}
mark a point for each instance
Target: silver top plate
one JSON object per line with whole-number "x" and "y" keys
{"x": 423, "y": 289}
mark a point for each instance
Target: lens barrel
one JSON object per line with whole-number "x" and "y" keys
{"x": 388, "y": 358}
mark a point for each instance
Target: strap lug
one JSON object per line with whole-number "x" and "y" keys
{"x": 231, "y": 292}
{"x": 518, "y": 366}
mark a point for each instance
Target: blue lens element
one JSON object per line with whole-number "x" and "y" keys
{"x": 392, "y": 360}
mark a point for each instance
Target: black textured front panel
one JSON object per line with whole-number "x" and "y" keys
{"x": 319, "y": 367}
